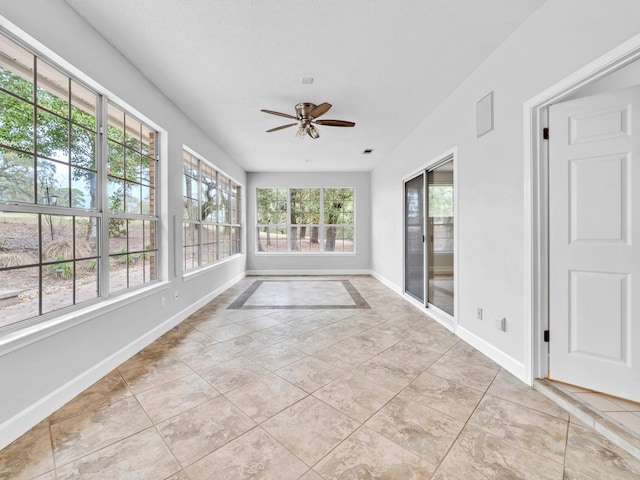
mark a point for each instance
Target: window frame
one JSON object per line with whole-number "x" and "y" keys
{"x": 234, "y": 189}
{"x": 321, "y": 225}
{"x": 98, "y": 208}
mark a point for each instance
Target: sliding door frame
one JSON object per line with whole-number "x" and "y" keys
{"x": 448, "y": 321}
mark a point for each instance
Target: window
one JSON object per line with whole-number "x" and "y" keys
{"x": 75, "y": 226}
{"x": 305, "y": 220}
{"x": 211, "y": 226}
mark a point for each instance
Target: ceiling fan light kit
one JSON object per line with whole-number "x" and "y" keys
{"x": 306, "y": 115}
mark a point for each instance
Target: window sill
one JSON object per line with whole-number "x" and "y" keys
{"x": 196, "y": 272}
{"x": 307, "y": 254}
{"x": 14, "y": 339}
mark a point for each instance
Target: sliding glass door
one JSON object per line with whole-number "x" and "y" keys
{"x": 429, "y": 232}
{"x": 440, "y": 230}
{"x": 414, "y": 237}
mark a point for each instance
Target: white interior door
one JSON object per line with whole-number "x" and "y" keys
{"x": 594, "y": 239}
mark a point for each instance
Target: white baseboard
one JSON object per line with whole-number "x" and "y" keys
{"x": 20, "y": 423}
{"x": 387, "y": 283}
{"x": 306, "y": 272}
{"x": 507, "y": 362}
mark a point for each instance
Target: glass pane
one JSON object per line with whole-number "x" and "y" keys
{"x": 224, "y": 237}
{"x": 115, "y": 124}
{"x": 272, "y": 239}
{"x": 83, "y": 106}
{"x": 132, "y": 169}
{"x": 145, "y": 200}
{"x": 136, "y": 272}
{"x": 83, "y": 188}
{"x": 53, "y": 183}
{"x": 16, "y": 71}
{"x": 16, "y": 123}
{"x": 134, "y": 198}
{"x": 115, "y": 190}
{"x": 83, "y": 146}
{"x": 136, "y": 235}
{"x": 53, "y": 136}
{"x": 148, "y": 141}
{"x": 86, "y": 237}
{"x": 53, "y": 89}
{"x": 86, "y": 280}
{"x": 22, "y": 287}
{"x": 118, "y": 272}
{"x": 236, "y": 240}
{"x": 16, "y": 176}
{"x": 440, "y": 247}
{"x": 147, "y": 173}
{"x": 209, "y": 243}
{"x": 57, "y": 286}
{"x": 116, "y": 159}
{"x": 18, "y": 239}
{"x": 57, "y": 238}
{"x": 414, "y": 237}
{"x": 132, "y": 133}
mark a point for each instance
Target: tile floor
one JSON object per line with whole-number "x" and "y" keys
{"x": 312, "y": 393}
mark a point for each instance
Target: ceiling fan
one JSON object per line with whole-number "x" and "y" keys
{"x": 306, "y": 115}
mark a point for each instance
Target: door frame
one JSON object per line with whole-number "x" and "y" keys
{"x": 448, "y": 321}
{"x": 536, "y": 199}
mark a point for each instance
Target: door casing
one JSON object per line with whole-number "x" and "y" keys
{"x": 536, "y": 197}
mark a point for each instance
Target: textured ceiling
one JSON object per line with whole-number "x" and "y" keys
{"x": 384, "y": 64}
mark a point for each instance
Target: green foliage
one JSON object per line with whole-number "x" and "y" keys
{"x": 440, "y": 200}
{"x": 62, "y": 269}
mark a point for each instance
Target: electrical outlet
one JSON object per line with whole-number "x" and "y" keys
{"x": 501, "y": 324}
{"x": 479, "y": 314}
{"x": 175, "y": 295}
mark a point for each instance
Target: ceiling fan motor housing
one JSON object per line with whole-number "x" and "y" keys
{"x": 303, "y": 110}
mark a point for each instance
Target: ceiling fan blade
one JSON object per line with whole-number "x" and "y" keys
{"x": 335, "y": 123}
{"x": 281, "y": 127}
{"x": 286, "y": 115}
{"x": 320, "y": 110}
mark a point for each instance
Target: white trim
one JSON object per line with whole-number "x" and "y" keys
{"x": 34, "y": 413}
{"x": 535, "y": 198}
{"x": 507, "y": 362}
{"x": 389, "y": 284}
{"x": 306, "y": 272}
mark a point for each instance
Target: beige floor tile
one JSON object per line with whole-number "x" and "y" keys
{"x": 255, "y": 455}
{"x": 436, "y": 339}
{"x": 197, "y": 432}
{"x": 153, "y": 373}
{"x": 309, "y": 373}
{"x": 181, "y": 475}
{"x": 276, "y": 356}
{"x": 177, "y": 396}
{"x": 228, "y": 332}
{"x": 521, "y": 426}
{"x": 355, "y": 396}
{"x": 233, "y": 374}
{"x": 450, "y": 398}
{"x": 261, "y": 323}
{"x": 630, "y": 420}
{"x": 143, "y": 456}
{"x": 420, "y": 429}
{"x": 601, "y": 402}
{"x": 189, "y": 341}
{"x": 76, "y": 436}
{"x": 263, "y": 398}
{"x": 311, "y": 342}
{"x": 387, "y": 373}
{"x": 474, "y": 376}
{"x": 466, "y": 353}
{"x": 413, "y": 355}
{"x": 107, "y": 390}
{"x": 344, "y": 356}
{"x": 478, "y": 455}
{"x": 286, "y": 331}
{"x": 310, "y": 429}
{"x": 311, "y": 475}
{"x": 371, "y": 341}
{"x": 210, "y": 356}
{"x": 627, "y": 405}
{"x": 442, "y": 475}
{"x": 28, "y": 456}
{"x": 508, "y": 387}
{"x": 249, "y": 343}
{"x": 367, "y": 454}
{"x": 589, "y": 453}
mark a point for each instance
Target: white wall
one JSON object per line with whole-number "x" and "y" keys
{"x": 40, "y": 373}
{"x": 558, "y": 39}
{"x": 360, "y": 262}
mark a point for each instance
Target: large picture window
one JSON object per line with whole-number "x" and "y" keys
{"x": 211, "y": 226}
{"x": 305, "y": 220}
{"x": 75, "y": 225}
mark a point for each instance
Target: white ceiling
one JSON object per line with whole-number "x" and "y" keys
{"x": 384, "y": 64}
